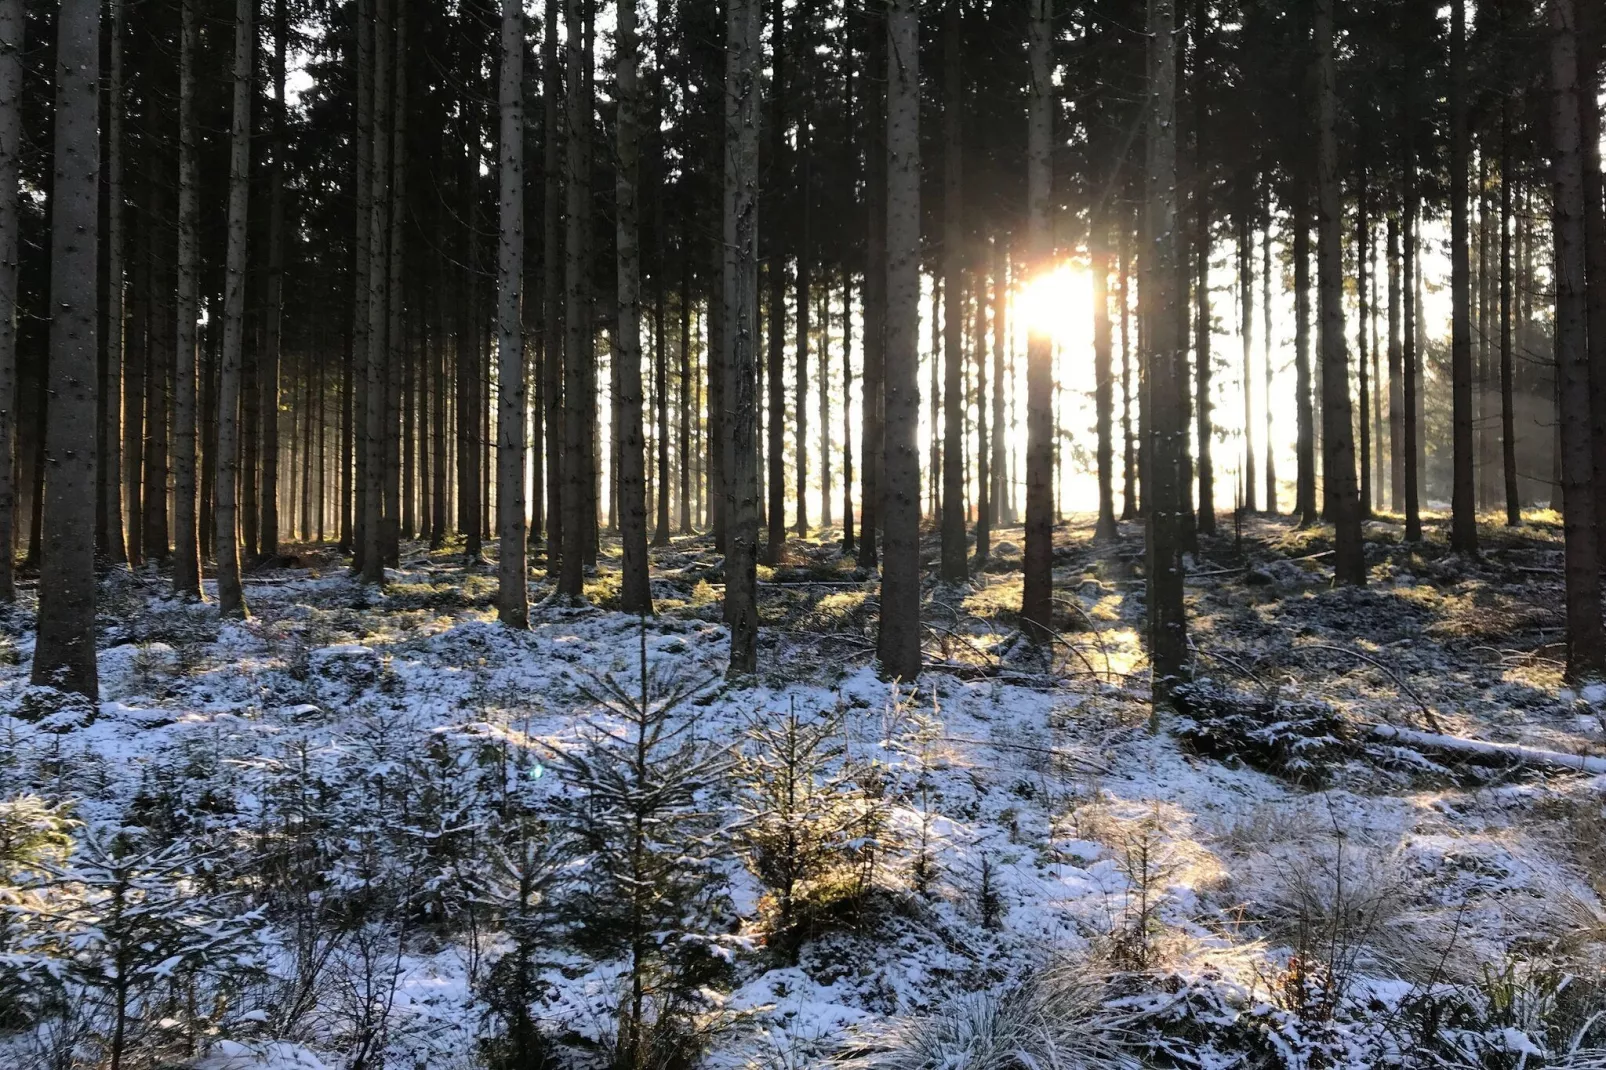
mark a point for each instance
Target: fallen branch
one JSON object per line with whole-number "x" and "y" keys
{"x": 1550, "y": 759}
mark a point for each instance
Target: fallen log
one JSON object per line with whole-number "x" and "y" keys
{"x": 1482, "y": 748}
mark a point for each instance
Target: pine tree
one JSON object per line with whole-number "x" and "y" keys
{"x": 231, "y": 598}
{"x": 740, "y": 335}
{"x": 954, "y": 566}
{"x": 899, "y": 640}
{"x": 1586, "y": 645}
{"x": 187, "y": 546}
{"x": 64, "y": 652}
{"x": 1037, "y": 599}
{"x": 635, "y": 592}
{"x": 513, "y": 598}
{"x": 11, "y": 40}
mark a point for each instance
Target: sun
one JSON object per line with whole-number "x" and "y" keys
{"x": 1058, "y": 302}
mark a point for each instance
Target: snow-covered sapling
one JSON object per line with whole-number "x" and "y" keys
{"x": 802, "y": 807}
{"x": 640, "y": 824}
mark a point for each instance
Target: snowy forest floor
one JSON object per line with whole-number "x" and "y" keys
{"x": 315, "y": 818}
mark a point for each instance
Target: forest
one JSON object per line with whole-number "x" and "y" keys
{"x": 802, "y": 534}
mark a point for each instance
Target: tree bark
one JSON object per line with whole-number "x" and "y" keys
{"x": 1396, "y": 412}
{"x": 111, "y": 394}
{"x": 513, "y": 588}
{"x": 579, "y": 390}
{"x": 1586, "y": 644}
{"x": 1246, "y": 307}
{"x": 1410, "y": 357}
{"x": 1165, "y": 489}
{"x": 231, "y": 598}
{"x": 1103, "y": 385}
{"x": 955, "y": 568}
{"x": 899, "y": 639}
{"x": 268, "y": 527}
{"x": 1508, "y": 419}
{"x": 1338, "y": 432}
{"x": 552, "y": 333}
{"x": 1363, "y": 233}
{"x": 740, "y": 299}
{"x": 1463, "y": 497}
{"x": 187, "y": 545}
{"x": 64, "y": 651}
{"x": 1305, "y": 456}
{"x": 1037, "y": 597}
{"x": 11, "y": 43}
{"x": 395, "y": 352}
{"x": 872, "y": 448}
{"x": 635, "y": 594}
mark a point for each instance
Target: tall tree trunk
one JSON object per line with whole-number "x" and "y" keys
{"x": 159, "y": 284}
{"x": 1103, "y": 386}
{"x": 353, "y": 537}
{"x": 376, "y": 361}
{"x": 1595, "y": 266}
{"x": 1396, "y": 393}
{"x": 847, "y": 412}
{"x": 984, "y": 473}
{"x": 552, "y": 282}
{"x": 135, "y": 361}
{"x": 635, "y": 594}
{"x": 1463, "y": 497}
{"x": 1410, "y": 357}
{"x": 685, "y": 417}
{"x": 187, "y": 545}
{"x": 1508, "y": 418}
{"x": 899, "y": 638}
{"x": 111, "y": 393}
{"x": 231, "y": 599}
{"x": 513, "y": 593}
{"x": 395, "y": 352}
{"x": 740, "y": 299}
{"x": 801, "y": 382}
{"x": 871, "y": 497}
{"x": 1246, "y": 308}
{"x": 660, "y": 354}
{"x": 954, "y": 550}
{"x": 579, "y": 391}
{"x": 1586, "y": 645}
{"x": 11, "y": 41}
{"x": 64, "y": 651}
{"x": 1338, "y": 441}
{"x": 1165, "y": 489}
{"x": 1305, "y": 457}
{"x": 1363, "y": 232}
{"x": 1037, "y": 596}
{"x": 1129, "y": 442}
{"x": 1265, "y": 344}
{"x": 268, "y": 528}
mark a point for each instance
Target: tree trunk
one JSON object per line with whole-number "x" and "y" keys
{"x": 1396, "y": 411}
{"x": 395, "y": 351}
{"x": 899, "y": 638}
{"x": 1586, "y": 645}
{"x": 513, "y": 588}
{"x": 1338, "y": 432}
{"x": 1246, "y": 308}
{"x": 1410, "y": 357}
{"x": 11, "y": 43}
{"x": 1037, "y": 597}
{"x": 1129, "y": 442}
{"x": 64, "y": 651}
{"x": 375, "y": 362}
{"x": 635, "y": 594}
{"x": 1363, "y": 232}
{"x": 1305, "y": 474}
{"x": 187, "y": 545}
{"x": 848, "y": 540}
{"x": 231, "y": 599}
{"x": 552, "y": 334}
{"x": 871, "y": 503}
{"x": 686, "y": 416}
{"x": 740, "y": 299}
{"x": 954, "y": 551}
{"x": 579, "y": 390}
{"x": 1508, "y": 419}
{"x": 802, "y": 378}
{"x": 1463, "y": 498}
{"x": 110, "y": 534}
{"x": 268, "y": 527}
{"x": 1165, "y": 489}
{"x": 159, "y": 284}
{"x": 1265, "y": 344}
{"x": 660, "y": 535}
{"x": 1103, "y": 385}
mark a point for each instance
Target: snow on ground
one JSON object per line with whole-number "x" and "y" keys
{"x": 1060, "y": 826}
